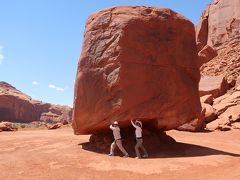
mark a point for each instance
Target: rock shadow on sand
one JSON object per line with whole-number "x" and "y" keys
{"x": 162, "y": 147}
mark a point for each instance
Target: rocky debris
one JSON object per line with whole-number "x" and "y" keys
{"x": 210, "y": 113}
{"x": 219, "y": 27}
{"x": 227, "y": 64}
{"x": 53, "y": 126}
{"x": 65, "y": 122}
{"x": 227, "y": 108}
{"x": 233, "y": 112}
{"x": 238, "y": 88}
{"x": 136, "y": 62}
{"x": 207, "y": 99}
{"x": 228, "y": 100}
{"x": 223, "y": 124}
{"x": 196, "y": 125}
{"x": 236, "y": 125}
{"x": 206, "y": 54}
{"x": 214, "y": 85}
{"x": 223, "y": 114}
{"x": 16, "y": 106}
{"x": 238, "y": 81}
{"x": 7, "y": 126}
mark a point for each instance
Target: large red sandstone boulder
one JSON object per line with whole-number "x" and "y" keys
{"x": 16, "y": 106}
{"x": 136, "y": 62}
{"x": 219, "y": 27}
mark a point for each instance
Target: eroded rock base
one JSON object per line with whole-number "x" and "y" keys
{"x": 152, "y": 141}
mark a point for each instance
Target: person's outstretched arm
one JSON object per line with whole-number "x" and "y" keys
{"x": 111, "y": 127}
{"x": 134, "y": 125}
{"x": 114, "y": 128}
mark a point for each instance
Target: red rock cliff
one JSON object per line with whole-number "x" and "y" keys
{"x": 219, "y": 27}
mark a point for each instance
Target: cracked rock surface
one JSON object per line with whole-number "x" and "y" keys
{"x": 136, "y": 62}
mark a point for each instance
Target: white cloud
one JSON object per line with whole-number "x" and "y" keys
{"x": 52, "y": 86}
{"x": 1, "y": 54}
{"x": 35, "y": 83}
{"x": 60, "y": 89}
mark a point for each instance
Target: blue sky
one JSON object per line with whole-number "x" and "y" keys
{"x": 40, "y": 41}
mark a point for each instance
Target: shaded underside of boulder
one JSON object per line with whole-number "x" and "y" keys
{"x": 136, "y": 62}
{"x": 101, "y": 142}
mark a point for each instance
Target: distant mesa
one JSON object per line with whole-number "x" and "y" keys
{"x": 16, "y": 106}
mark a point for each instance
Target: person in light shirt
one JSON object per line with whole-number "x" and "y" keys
{"x": 138, "y": 132}
{"x": 117, "y": 140}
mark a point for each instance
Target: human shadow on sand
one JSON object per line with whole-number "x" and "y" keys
{"x": 167, "y": 148}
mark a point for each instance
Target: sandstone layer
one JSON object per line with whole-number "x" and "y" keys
{"x": 136, "y": 62}
{"x": 16, "y": 106}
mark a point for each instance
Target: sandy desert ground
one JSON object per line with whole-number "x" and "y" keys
{"x": 56, "y": 154}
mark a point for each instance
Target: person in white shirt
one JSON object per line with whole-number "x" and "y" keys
{"x": 139, "y": 139}
{"x": 117, "y": 140}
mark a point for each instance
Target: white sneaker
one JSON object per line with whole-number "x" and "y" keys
{"x": 110, "y": 154}
{"x": 145, "y": 156}
{"x": 137, "y": 158}
{"x": 126, "y": 156}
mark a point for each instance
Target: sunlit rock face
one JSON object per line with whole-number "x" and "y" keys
{"x": 219, "y": 27}
{"x": 136, "y": 62}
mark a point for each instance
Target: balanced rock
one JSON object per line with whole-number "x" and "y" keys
{"x": 136, "y": 62}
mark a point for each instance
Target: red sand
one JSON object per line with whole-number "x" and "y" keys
{"x": 55, "y": 154}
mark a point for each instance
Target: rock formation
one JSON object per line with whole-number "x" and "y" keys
{"x": 16, "y": 106}
{"x": 6, "y": 126}
{"x": 219, "y": 27}
{"x": 213, "y": 85}
{"x": 136, "y": 62}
